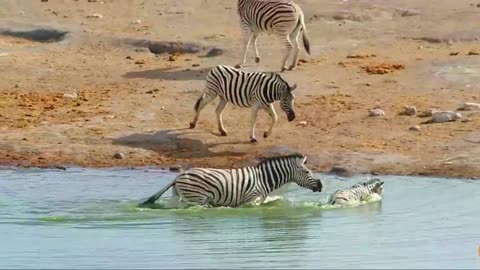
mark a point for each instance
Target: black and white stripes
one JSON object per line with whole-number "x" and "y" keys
{"x": 357, "y": 192}
{"x": 257, "y": 90}
{"x": 283, "y": 18}
{"x": 234, "y": 187}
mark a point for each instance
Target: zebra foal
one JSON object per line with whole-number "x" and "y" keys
{"x": 257, "y": 90}
{"x": 357, "y": 193}
{"x": 282, "y": 18}
{"x": 234, "y": 187}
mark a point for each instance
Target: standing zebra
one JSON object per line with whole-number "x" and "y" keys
{"x": 356, "y": 193}
{"x": 257, "y": 90}
{"x": 283, "y": 18}
{"x": 234, "y": 187}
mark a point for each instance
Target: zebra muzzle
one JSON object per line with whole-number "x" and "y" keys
{"x": 290, "y": 116}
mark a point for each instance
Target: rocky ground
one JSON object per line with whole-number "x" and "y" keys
{"x": 97, "y": 84}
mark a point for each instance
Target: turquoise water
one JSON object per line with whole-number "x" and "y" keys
{"x": 82, "y": 218}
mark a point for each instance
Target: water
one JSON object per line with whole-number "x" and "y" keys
{"x": 88, "y": 219}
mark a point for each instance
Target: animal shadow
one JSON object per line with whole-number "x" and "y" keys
{"x": 169, "y": 74}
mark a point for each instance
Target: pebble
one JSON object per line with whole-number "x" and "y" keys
{"x": 409, "y": 110}
{"x": 95, "y": 15}
{"x": 137, "y": 22}
{"x": 443, "y": 116}
{"x": 140, "y": 62}
{"x": 175, "y": 168}
{"x": 473, "y": 53}
{"x": 303, "y": 123}
{"x": 415, "y": 128}
{"x": 469, "y": 106}
{"x": 119, "y": 155}
{"x": 70, "y": 96}
{"x": 376, "y": 112}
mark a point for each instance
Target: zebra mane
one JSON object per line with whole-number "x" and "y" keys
{"x": 264, "y": 160}
{"x": 277, "y": 77}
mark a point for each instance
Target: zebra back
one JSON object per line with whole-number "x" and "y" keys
{"x": 269, "y": 15}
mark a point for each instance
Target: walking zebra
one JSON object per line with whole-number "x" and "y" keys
{"x": 257, "y": 90}
{"x": 356, "y": 193}
{"x": 234, "y": 187}
{"x": 283, "y": 18}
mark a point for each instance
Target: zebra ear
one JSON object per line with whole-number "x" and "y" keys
{"x": 293, "y": 87}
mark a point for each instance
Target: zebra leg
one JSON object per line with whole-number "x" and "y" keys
{"x": 296, "y": 48}
{"x": 289, "y": 48}
{"x": 255, "y": 109}
{"x": 219, "y": 111}
{"x": 271, "y": 111}
{"x": 247, "y": 39}
{"x": 204, "y": 99}
{"x": 257, "y": 55}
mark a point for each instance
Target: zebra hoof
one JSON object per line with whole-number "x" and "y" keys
{"x": 192, "y": 125}
{"x": 283, "y": 69}
{"x": 238, "y": 66}
{"x": 253, "y": 140}
{"x": 223, "y": 133}
{"x": 257, "y": 60}
{"x": 292, "y": 68}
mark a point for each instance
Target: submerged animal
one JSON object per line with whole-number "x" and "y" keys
{"x": 234, "y": 187}
{"x": 356, "y": 193}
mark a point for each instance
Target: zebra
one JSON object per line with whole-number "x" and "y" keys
{"x": 257, "y": 90}
{"x": 283, "y": 18}
{"x": 211, "y": 187}
{"x": 357, "y": 192}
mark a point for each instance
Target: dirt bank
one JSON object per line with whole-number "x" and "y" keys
{"x": 79, "y": 99}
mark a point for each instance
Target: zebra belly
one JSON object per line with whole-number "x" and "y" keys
{"x": 214, "y": 187}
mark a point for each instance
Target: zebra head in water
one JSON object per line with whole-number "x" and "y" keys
{"x": 303, "y": 176}
{"x": 375, "y": 186}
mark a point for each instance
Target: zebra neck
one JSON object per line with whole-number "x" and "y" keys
{"x": 241, "y": 4}
{"x": 272, "y": 176}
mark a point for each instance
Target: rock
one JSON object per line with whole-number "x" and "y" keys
{"x": 137, "y": 22}
{"x": 341, "y": 171}
{"x": 361, "y": 56}
{"x": 152, "y": 91}
{"x": 469, "y": 106}
{"x": 95, "y": 16}
{"x": 478, "y": 5}
{"x": 303, "y": 123}
{"x": 409, "y": 110}
{"x": 425, "y": 113}
{"x": 195, "y": 65}
{"x": 129, "y": 57}
{"x": 44, "y": 1}
{"x": 473, "y": 53}
{"x": 176, "y": 168}
{"x": 376, "y": 112}
{"x": 92, "y": 1}
{"x": 407, "y": 12}
{"x": 414, "y": 128}
{"x": 174, "y": 57}
{"x": 70, "y": 96}
{"x": 443, "y": 116}
{"x": 214, "y": 52}
{"x": 140, "y": 62}
{"x": 454, "y": 53}
{"x": 382, "y": 68}
{"x": 119, "y": 155}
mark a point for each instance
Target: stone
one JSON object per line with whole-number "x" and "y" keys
{"x": 376, "y": 112}
{"x": 473, "y": 53}
{"x": 140, "y": 62}
{"x": 176, "y": 168}
{"x": 95, "y": 16}
{"x": 414, "y": 128}
{"x": 119, "y": 155}
{"x": 443, "y": 116}
{"x": 409, "y": 110}
{"x": 70, "y": 96}
{"x": 303, "y": 123}
{"x": 469, "y": 106}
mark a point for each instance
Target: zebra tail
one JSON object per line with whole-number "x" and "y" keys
{"x": 197, "y": 104}
{"x": 157, "y": 195}
{"x": 306, "y": 41}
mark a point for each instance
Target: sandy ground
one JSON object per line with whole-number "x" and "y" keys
{"x": 132, "y": 101}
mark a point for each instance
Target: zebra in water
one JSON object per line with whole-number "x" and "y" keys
{"x": 282, "y": 18}
{"x": 257, "y": 90}
{"x": 234, "y": 187}
{"x": 357, "y": 192}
